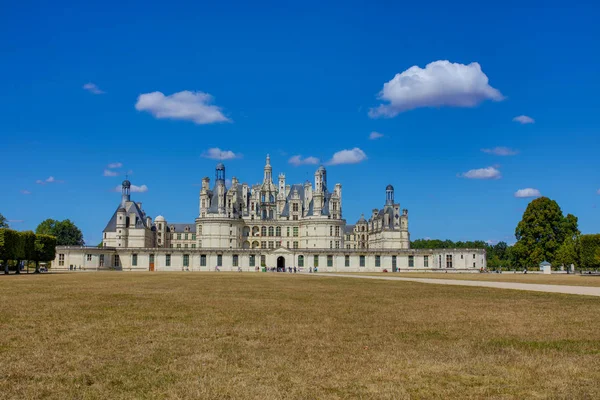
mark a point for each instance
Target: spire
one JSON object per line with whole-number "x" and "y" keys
{"x": 268, "y": 170}
{"x": 125, "y": 191}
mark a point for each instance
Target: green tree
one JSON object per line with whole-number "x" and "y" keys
{"x": 45, "y": 250}
{"x": 568, "y": 253}
{"x": 3, "y": 222}
{"x": 541, "y": 232}
{"x": 8, "y": 238}
{"x": 65, "y": 232}
{"x": 28, "y": 238}
{"x": 19, "y": 250}
{"x": 589, "y": 251}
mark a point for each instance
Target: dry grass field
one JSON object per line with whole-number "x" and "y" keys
{"x": 281, "y": 336}
{"x": 557, "y": 279}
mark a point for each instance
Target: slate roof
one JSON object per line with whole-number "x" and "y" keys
{"x": 130, "y": 207}
{"x": 180, "y": 227}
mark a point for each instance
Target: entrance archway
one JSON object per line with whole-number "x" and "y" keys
{"x": 281, "y": 263}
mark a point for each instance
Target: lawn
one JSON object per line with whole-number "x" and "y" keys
{"x": 556, "y": 279}
{"x": 278, "y": 336}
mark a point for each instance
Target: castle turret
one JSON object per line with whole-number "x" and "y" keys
{"x": 125, "y": 192}
{"x": 122, "y": 226}
{"x": 389, "y": 195}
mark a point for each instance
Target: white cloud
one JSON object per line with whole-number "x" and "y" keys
{"x": 114, "y": 165}
{"x": 353, "y": 156}
{"x": 185, "y": 105}
{"x": 16, "y": 221}
{"x": 93, "y": 88}
{"x": 524, "y": 119}
{"x": 482, "y": 173}
{"x": 25, "y": 192}
{"x": 133, "y": 189}
{"x": 440, "y": 84}
{"x": 501, "y": 151}
{"x": 375, "y": 135}
{"x": 529, "y": 192}
{"x": 598, "y": 191}
{"x": 50, "y": 179}
{"x": 216, "y": 153}
{"x": 298, "y": 160}
{"x": 108, "y": 172}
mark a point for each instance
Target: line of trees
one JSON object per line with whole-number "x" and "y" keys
{"x": 25, "y": 246}
{"x": 543, "y": 234}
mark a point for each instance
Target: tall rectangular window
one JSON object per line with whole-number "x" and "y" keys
{"x": 117, "y": 261}
{"x": 102, "y": 260}
{"x": 337, "y": 244}
{"x": 331, "y": 231}
{"x": 295, "y": 231}
{"x": 168, "y": 260}
{"x": 449, "y": 261}
{"x": 288, "y": 231}
{"x": 203, "y": 260}
{"x": 362, "y": 261}
{"x": 330, "y": 261}
{"x": 393, "y": 261}
{"x": 301, "y": 261}
{"x": 295, "y": 244}
{"x": 316, "y": 261}
{"x": 61, "y": 259}
{"x": 193, "y": 236}
{"x": 263, "y": 260}
{"x": 378, "y": 261}
{"x": 134, "y": 260}
{"x": 411, "y": 261}
{"x": 186, "y": 260}
{"x": 270, "y": 244}
{"x": 193, "y": 245}
{"x": 426, "y": 261}
{"x": 151, "y": 259}
{"x": 219, "y": 260}
{"x": 234, "y": 260}
{"x": 347, "y": 261}
{"x": 295, "y": 207}
{"x": 252, "y": 260}
{"x": 186, "y": 236}
{"x": 294, "y": 217}
{"x": 179, "y": 236}
{"x": 263, "y": 245}
{"x": 337, "y": 231}
{"x": 89, "y": 257}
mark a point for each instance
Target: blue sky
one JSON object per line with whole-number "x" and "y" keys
{"x": 302, "y": 78}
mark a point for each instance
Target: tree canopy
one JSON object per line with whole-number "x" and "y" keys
{"x": 542, "y": 231}
{"x": 65, "y": 232}
{"x": 3, "y": 222}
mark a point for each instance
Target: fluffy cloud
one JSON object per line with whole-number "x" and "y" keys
{"x": 529, "y": 192}
{"x": 353, "y": 156}
{"x": 501, "y": 151}
{"x": 298, "y": 160}
{"x": 482, "y": 173}
{"x": 216, "y": 153}
{"x": 25, "y": 192}
{"x": 108, "y": 172}
{"x": 375, "y": 135}
{"x": 186, "y": 105}
{"x": 16, "y": 221}
{"x": 92, "y": 88}
{"x": 50, "y": 179}
{"x": 133, "y": 189}
{"x": 440, "y": 84}
{"x": 524, "y": 119}
{"x": 114, "y": 165}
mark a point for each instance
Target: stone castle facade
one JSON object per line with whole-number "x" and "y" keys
{"x": 266, "y": 224}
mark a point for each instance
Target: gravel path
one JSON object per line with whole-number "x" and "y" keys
{"x": 583, "y": 290}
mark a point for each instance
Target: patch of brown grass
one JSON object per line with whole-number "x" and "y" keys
{"x": 558, "y": 279}
{"x": 273, "y": 336}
